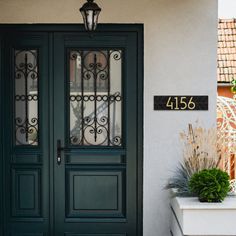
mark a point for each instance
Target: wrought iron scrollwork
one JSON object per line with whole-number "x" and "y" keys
{"x": 29, "y": 128}
{"x": 93, "y": 90}
{"x": 26, "y": 96}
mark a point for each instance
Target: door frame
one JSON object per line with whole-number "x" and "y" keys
{"x": 138, "y": 29}
{"x": 1, "y": 138}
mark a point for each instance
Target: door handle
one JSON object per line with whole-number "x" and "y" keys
{"x": 59, "y": 150}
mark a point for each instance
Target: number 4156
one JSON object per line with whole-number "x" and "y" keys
{"x": 180, "y": 103}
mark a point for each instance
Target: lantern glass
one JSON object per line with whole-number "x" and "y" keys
{"x": 90, "y": 12}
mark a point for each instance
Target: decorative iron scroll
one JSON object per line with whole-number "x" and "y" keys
{"x": 26, "y": 97}
{"x": 226, "y": 126}
{"x": 95, "y": 97}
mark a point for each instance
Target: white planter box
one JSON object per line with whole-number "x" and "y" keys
{"x": 190, "y": 217}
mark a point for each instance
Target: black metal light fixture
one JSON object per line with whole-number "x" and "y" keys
{"x": 90, "y": 12}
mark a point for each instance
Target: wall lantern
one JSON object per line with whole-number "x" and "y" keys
{"x": 90, "y": 12}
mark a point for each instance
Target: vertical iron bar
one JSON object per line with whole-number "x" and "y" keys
{"x": 37, "y": 69}
{"x": 74, "y": 82}
{"x": 114, "y": 119}
{"x": 76, "y": 89}
{"x": 15, "y": 75}
{"x": 95, "y": 97}
{"x": 82, "y": 97}
{"x": 108, "y": 97}
{"x": 26, "y": 98}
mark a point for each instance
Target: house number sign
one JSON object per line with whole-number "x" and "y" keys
{"x": 181, "y": 103}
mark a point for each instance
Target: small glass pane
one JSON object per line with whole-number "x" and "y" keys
{"x": 96, "y": 98}
{"x": 26, "y": 97}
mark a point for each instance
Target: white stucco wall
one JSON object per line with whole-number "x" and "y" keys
{"x": 180, "y": 58}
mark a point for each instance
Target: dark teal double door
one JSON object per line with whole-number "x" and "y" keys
{"x": 72, "y": 134}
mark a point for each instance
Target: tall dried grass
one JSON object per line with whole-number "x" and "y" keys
{"x": 201, "y": 150}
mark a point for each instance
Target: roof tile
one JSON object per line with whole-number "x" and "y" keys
{"x": 226, "y": 50}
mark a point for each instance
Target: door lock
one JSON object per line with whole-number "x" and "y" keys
{"x": 59, "y": 150}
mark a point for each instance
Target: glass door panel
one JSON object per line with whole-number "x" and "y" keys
{"x": 26, "y": 97}
{"x": 95, "y": 97}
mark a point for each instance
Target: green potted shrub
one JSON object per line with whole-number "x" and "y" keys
{"x": 210, "y": 185}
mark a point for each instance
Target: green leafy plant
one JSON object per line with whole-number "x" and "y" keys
{"x": 210, "y": 185}
{"x": 233, "y": 88}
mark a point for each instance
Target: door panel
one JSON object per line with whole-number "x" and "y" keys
{"x": 2, "y": 142}
{"x": 96, "y": 181}
{"x": 102, "y": 193}
{"x": 26, "y": 192}
{"x": 26, "y": 138}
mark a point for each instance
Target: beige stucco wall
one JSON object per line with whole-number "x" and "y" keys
{"x": 180, "y": 58}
